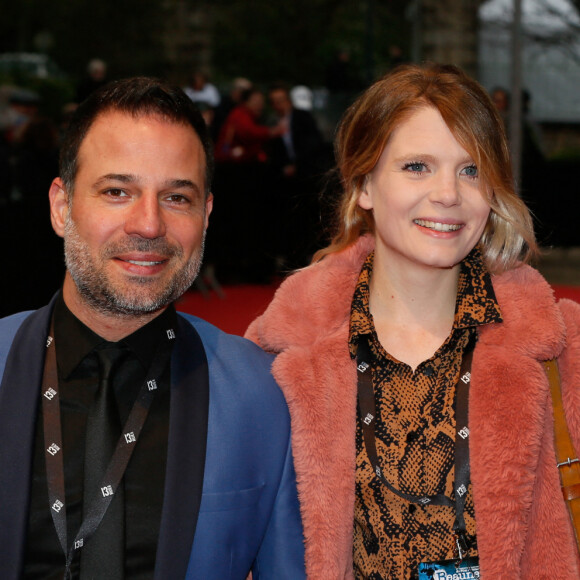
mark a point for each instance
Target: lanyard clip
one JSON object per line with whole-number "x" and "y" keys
{"x": 462, "y": 545}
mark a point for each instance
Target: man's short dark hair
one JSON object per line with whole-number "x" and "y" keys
{"x": 136, "y": 96}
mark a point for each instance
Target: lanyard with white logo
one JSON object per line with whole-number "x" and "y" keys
{"x": 367, "y": 410}
{"x": 119, "y": 460}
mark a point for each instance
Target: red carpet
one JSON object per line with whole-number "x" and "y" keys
{"x": 572, "y": 292}
{"x": 234, "y": 312}
{"x": 241, "y": 304}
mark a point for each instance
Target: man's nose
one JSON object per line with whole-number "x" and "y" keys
{"x": 145, "y": 218}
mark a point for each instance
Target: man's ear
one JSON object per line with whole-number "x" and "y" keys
{"x": 208, "y": 208}
{"x": 58, "y": 205}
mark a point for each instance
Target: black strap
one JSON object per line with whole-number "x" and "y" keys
{"x": 121, "y": 456}
{"x": 462, "y": 466}
{"x": 367, "y": 410}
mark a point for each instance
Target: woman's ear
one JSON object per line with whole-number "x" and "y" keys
{"x": 365, "y": 199}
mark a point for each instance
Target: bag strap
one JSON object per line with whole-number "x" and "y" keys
{"x": 567, "y": 459}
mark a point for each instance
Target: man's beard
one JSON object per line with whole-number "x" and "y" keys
{"x": 103, "y": 295}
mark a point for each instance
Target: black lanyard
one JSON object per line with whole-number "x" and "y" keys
{"x": 121, "y": 456}
{"x": 367, "y": 410}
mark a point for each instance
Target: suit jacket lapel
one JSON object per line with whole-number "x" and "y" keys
{"x": 19, "y": 396}
{"x": 186, "y": 453}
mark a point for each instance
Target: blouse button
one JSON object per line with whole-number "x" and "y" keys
{"x": 412, "y": 436}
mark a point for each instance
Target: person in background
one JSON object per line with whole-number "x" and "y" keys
{"x": 341, "y": 74}
{"x": 411, "y": 352}
{"x": 238, "y": 87}
{"x": 296, "y": 160}
{"x": 137, "y": 442}
{"x": 204, "y": 94}
{"x": 95, "y": 78}
{"x": 202, "y": 91}
{"x": 296, "y": 149}
{"x": 501, "y": 100}
{"x": 242, "y": 172}
{"x": 24, "y": 106}
{"x": 36, "y": 159}
{"x": 242, "y": 138}
{"x": 32, "y": 163}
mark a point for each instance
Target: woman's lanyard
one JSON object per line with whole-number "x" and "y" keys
{"x": 121, "y": 456}
{"x": 367, "y": 410}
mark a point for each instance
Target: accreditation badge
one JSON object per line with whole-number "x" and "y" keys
{"x": 466, "y": 569}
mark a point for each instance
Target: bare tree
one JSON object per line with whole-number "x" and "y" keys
{"x": 563, "y": 29}
{"x": 551, "y": 24}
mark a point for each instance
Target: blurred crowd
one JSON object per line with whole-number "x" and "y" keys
{"x": 273, "y": 186}
{"x": 29, "y": 148}
{"x": 272, "y": 162}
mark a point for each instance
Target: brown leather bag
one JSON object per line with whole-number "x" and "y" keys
{"x": 568, "y": 463}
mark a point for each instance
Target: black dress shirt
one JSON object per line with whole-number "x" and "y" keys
{"x": 145, "y": 475}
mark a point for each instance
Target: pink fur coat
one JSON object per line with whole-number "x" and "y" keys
{"x": 523, "y": 527}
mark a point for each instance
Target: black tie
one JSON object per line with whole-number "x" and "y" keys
{"x": 102, "y": 557}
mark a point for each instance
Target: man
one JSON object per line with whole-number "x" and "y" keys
{"x": 202, "y": 91}
{"x": 298, "y": 159}
{"x": 298, "y": 149}
{"x": 201, "y": 482}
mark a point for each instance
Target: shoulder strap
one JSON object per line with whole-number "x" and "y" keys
{"x": 568, "y": 463}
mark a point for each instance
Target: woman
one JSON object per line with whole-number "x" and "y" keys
{"x": 242, "y": 138}
{"x": 424, "y": 284}
{"x": 241, "y": 182}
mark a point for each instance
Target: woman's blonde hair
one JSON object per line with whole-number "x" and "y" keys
{"x": 472, "y": 118}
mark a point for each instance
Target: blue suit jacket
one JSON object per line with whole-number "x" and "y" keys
{"x": 230, "y": 502}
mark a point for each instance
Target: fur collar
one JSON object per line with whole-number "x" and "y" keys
{"x": 521, "y": 518}
{"x": 315, "y": 302}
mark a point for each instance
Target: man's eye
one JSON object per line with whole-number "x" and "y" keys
{"x": 115, "y": 193}
{"x": 178, "y": 198}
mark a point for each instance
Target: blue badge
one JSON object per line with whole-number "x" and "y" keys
{"x": 467, "y": 569}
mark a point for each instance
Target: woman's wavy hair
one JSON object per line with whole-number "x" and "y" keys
{"x": 471, "y": 116}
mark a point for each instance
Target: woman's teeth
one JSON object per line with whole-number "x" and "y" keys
{"x": 437, "y": 226}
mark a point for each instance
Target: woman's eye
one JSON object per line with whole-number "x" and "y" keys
{"x": 471, "y": 171}
{"x": 415, "y": 166}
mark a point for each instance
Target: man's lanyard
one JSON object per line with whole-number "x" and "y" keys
{"x": 121, "y": 456}
{"x": 367, "y": 410}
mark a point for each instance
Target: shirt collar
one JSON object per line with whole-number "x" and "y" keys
{"x": 75, "y": 340}
{"x": 360, "y": 316}
{"x": 476, "y": 303}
